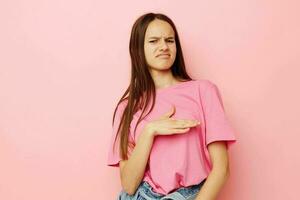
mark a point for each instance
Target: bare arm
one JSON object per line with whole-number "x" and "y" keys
{"x": 133, "y": 169}
{"x": 219, "y": 173}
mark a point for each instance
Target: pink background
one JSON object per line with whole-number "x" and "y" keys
{"x": 64, "y": 65}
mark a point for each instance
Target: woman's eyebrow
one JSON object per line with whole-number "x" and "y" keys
{"x": 154, "y": 37}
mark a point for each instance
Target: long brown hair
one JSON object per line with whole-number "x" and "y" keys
{"x": 142, "y": 88}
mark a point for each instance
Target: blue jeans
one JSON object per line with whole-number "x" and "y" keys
{"x": 145, "y": 192}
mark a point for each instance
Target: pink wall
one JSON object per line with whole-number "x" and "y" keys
{"x": 64, "y": 65}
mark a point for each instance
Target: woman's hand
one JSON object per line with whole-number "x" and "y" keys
{"x": 165, "y": 125}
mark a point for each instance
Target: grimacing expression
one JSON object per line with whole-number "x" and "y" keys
{"x": 160, "y": 45}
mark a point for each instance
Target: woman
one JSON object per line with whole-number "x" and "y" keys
{"x": 171, "y": 130}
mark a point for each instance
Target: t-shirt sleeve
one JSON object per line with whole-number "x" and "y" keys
{"x": 217, "y": 126}
{"x": 114, "y": 157}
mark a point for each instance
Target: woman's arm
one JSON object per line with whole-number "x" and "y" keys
{"x": 133, "y": 169}
{"x": 219, "y": 173}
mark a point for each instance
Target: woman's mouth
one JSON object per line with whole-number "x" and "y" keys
{"x": 164, "y": 56}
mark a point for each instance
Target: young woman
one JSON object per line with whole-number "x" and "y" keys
{"x": 171, "y": 130}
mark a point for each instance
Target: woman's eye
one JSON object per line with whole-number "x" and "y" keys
{"x": 153, "y": 41}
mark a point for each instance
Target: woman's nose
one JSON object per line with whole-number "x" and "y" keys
{"x": 164, "y": 45}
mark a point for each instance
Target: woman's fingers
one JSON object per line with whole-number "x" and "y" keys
{"x": 177, "y": 130}
{"x": 185, "y": 123}
{"x": 165, "y": 125}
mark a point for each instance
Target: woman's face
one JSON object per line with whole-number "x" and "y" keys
{"x": 160, "y": 39}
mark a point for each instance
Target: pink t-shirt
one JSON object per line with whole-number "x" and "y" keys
{"x": 180, "y": 160}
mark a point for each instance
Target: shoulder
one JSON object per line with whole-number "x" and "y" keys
{"x": 123, "y": 103}
{"x": 205, "y": 84}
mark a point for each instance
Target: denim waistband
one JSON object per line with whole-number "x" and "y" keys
{"x": 184, "y": 191}
{"x": 145, "y": 191}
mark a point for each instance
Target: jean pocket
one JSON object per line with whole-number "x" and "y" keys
{"x": 149, "y": 191}
{"x": 187, "y": 192}
{"x": 190, "y": 192}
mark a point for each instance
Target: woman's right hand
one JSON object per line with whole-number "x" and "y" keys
{"x": 165, "y": 125}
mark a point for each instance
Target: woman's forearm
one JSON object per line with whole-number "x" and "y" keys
{"x": 213, "y": 185}
{"x": 134, "y": 169}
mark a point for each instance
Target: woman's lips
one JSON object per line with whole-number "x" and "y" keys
{"x": 164, "y": 56}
